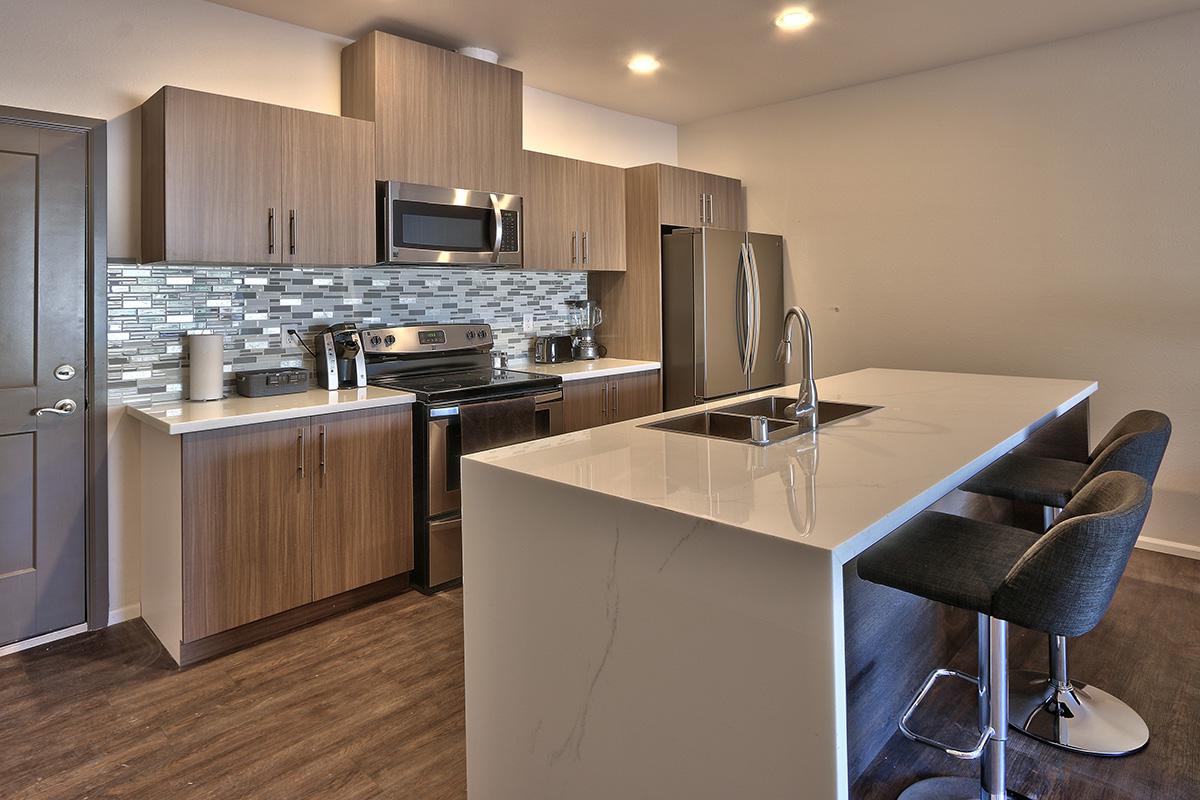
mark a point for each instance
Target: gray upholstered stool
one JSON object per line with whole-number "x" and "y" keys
{"x": 1061, "y": 582}
{"x": 1054, "y": 708}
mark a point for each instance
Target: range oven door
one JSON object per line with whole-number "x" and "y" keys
{"x": 449, "y": 227}
{"x": 439, "y": 533}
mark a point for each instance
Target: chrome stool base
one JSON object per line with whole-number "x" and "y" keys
{"x": 950, "y": 789}
{"x": 1082, "y": 719}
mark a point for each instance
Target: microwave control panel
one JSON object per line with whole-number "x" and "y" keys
{"x": 510, "y": 241}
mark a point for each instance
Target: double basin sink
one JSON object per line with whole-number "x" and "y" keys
{"x": 735, "y": 422}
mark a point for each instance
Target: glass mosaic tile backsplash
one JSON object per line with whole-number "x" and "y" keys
{"x": 151, "y": 308}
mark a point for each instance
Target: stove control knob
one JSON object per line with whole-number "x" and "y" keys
{"x": 390, "y": 340}
{"x": 470, "y": 334}
{"x": 375, "y": 340}
{"x": 483, "y": 334}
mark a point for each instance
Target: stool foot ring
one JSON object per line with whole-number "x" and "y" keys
{"x": 1082, "y": 719}
{"x": 949, "y": 789}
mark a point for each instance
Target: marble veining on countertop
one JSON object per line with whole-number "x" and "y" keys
{"x": 186, "y": 416}
{"x": 584, "y": 370}
{"x": 840, "y": 490}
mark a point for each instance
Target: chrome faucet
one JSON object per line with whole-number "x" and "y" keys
{"x": 805, "y": 407}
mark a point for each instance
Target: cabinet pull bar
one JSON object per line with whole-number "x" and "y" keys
{"x": 322, "y": 429}
{"x": 585, "y": 247}
{"x": 300, "y": 451}
{"x": 710, "y": 204}
{"x": 604, "y": 400}
{"x": 270, "y": 231}
{"x": 574, "y": 236}
{"x": 292, "y": 232}
{"x": 702, "y": 208}
{"x": 616, "y": 398}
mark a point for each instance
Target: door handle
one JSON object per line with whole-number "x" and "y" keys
{"x": 702, "y": 208}
{"x": 757, "y": 307}
{"x": 710, "y": 205}
{"x": 498, "y": 231}
{"x": 292, "y": 232}
{"x": 585, "y": 247}
{"x": 604, "y": 400}
{"x": 616, "y": 399}
{"x": 300, "y": 451}
{"x": 322, "y": 429}
{"x": 270, "y": 231}
{"x": 574, "y": 238}
{"x": 63, "y": 408}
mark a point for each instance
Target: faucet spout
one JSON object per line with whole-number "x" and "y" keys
{"x": 805, "y": 407}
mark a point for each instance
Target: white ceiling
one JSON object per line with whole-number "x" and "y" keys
{"x": 717, "y": 55}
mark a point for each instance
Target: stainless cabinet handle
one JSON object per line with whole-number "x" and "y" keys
{"x": 574, "y": 236}
{"x": 702, "y": 208}
{"x": 604, "y": 400}
{"x": 616, "y": 398}
{"x": 710, "y": 204}
{"x": 63, "y": 408}
{"x": 322, "y": 429}
{"x": 270, "y": 231}
{"x": 292, "y": 232}
{"x": 585, "y": 247}
{"x": 300, "y": 451}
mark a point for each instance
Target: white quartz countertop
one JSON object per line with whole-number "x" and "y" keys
{"x": 583, "y": 370}
{"x": 872, "y": 472}
{"x": 186, "y": 416}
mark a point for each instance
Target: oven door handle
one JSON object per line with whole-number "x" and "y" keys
{"x": 443, "y": 411}
{"x": 499, "y": 228}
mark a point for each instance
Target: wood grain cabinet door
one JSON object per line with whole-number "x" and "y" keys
{"x": 585, "y": 404}
{"x": 681, "y": 197}
{"x": 634, "y": 396}
{"x": 247, "y": 525}
{"x": 550, "y": 212}
{"x": 603, "y": 217}
{"x": 362, "y": 498}
{"x": 726, "y": 208}
{"x": 212, "y": 179}
{"x": 328, "y": 211}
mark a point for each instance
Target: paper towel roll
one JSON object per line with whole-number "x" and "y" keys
{"x": 207, "y": 370}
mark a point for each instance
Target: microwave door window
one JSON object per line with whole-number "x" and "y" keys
{"x": 424, "y": 226}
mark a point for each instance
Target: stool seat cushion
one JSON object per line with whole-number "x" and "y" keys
{"x": 1031, "y": 479}
{"x": 954, "y": 560}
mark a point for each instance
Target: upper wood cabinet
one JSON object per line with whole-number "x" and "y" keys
{"x": 440, "y": 118}
{"x": 692, "y": 199}
{"x": 574, "y": 214}
{"x": 235, "y": 181}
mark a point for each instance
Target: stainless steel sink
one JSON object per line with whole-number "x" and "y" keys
{"x": 773, "y": 408}
{"x": 716, "y": 425}
{"x": 733, "y": 422}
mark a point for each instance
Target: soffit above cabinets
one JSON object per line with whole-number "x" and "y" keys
{"x": 717, "y": 56}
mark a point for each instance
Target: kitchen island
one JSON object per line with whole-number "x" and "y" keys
{"x": 652, "y": 614}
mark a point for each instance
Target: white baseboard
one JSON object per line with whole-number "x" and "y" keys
{"x": 124, "y": 613}
{"x": 1170, "y": 548}
{"x": 45, "y": 638}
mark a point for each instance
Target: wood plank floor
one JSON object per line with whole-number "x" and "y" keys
{"x": 370, "y": 705}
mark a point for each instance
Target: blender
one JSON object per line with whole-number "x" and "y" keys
{"x": 586, "y": 316}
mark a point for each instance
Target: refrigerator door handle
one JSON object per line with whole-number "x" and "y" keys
{"x": 757, "y": 305}
{"x": 745, "y": 307}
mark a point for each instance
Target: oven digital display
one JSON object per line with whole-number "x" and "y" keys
{"x": 431, "y": 337}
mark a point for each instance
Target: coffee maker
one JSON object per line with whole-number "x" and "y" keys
{"x": 341, "y": 363}
{"x": 586, "y": 316}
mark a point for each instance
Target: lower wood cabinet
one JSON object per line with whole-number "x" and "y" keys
{"x": 246, "y": 523}
{"x": 591, "y": 403}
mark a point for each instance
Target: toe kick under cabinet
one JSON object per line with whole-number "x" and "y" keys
{"x": 256, "y": 529}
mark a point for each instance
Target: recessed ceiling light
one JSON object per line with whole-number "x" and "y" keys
{"x": 644, "y": 64}
{"x": 795, "y": 19}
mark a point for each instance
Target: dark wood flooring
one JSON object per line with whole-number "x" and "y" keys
{"x": 370, "y": 705}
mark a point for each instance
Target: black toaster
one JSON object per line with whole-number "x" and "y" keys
{"x": 552, "y": 349}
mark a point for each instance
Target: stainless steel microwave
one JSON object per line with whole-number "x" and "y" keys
{"x": 433, "y": 225}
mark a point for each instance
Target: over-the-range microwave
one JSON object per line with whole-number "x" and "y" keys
{"x": 434, "y": 225}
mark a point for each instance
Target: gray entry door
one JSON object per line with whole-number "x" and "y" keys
{"x": 43, "y": 283}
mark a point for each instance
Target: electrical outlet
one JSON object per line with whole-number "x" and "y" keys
{"x": 528, "y": 324}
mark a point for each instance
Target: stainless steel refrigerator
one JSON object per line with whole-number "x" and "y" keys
{"x": 722, "y": 314}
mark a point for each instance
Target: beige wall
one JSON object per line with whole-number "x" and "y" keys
{"x": 1033, "y": 213}
{"x": 103, "y": 58}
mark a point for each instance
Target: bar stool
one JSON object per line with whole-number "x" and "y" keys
{"x": 1054, "y": 708}
{"x": 1060, "y": 583}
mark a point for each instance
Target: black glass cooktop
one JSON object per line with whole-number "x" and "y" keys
{"x": 433, "y": 387}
